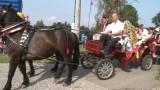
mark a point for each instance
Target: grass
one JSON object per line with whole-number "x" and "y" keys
{"x": 4, "y": 58}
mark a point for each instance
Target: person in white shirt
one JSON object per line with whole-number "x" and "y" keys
{"x": 142, "y": 37}
{"x": 145, "y": 32}
{"x": 115, "y": 31}
{"x": 138, "y": 28}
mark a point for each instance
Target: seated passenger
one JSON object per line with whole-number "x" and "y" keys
{"x": 103, "y": 36}
{"x": 138, "y": 28}
{"x": 105, "y": 24}
{"x": 115, "y": 31}
{"x": 150, "y": 36}
{"x": 141, "y": 37}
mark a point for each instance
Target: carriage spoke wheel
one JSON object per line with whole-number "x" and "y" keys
{"x": 104, "y": 69}
{"x": 147, "y": 62}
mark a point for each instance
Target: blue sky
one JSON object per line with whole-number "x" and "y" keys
{"x": 63, "y": 10}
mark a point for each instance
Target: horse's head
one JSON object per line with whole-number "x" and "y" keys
{"x": 8, "y": 15}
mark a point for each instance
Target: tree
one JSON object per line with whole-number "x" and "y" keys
{"x": 84, "y": 28}
{"x": 39, "y": 23}
{"x": 109, "y": 6}
{"x": 129, "y": 13}
{"x": 156, "y": 19}
{"x": 59, "y": 25}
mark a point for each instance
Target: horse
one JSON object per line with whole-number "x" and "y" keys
{"x": 43, "y": 43}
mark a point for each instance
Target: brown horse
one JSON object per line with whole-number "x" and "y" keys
{"x": 43, "y": 43}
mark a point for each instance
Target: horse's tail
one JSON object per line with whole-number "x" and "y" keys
{"x": 76, "y": 53}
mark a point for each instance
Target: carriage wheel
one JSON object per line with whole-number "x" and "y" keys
{"x": 104, "y": 69}
{"x": 147, "y": 62}
{"x": 86, "y": 63}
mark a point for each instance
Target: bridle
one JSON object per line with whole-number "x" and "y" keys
{"x": 12, "y": 27}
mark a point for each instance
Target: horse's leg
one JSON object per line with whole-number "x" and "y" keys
{"x": 12, "y": 67}
{"x": 22, "y": 67}
{"x": 69, "y": 78}
{"x": 32, "y": 71}
{"x": 59, "y": 72}
{"x": 58, "y": 57}
{"x": 55, "y": 68}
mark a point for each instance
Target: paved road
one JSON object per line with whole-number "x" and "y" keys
{"x": 85, "y": 79}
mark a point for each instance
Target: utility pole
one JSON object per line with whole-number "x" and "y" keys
{"x": 77, "y": 17}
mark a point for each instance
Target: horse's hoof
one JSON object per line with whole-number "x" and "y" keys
{"x": 53, "y": 70}
{"x": 30, "y": 74}
{"x": 6, "y": 89}
{"x": 67, "y": 83}
{"x": 56, "y": 80}
{"x": 23, "y": 86}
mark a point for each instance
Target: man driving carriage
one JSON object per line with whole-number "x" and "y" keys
{"x": 115, "y": 31}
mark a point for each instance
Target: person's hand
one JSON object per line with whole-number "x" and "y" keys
{"x": 110, "y": 34}
{"x": 144, "y": 41}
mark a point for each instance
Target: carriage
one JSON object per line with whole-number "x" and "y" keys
{"x": 104, "y": 67}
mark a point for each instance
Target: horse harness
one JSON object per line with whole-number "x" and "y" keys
{"x": 25, "y": 38}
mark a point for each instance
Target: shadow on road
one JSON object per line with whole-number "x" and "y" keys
{"x": 47, "y": 74}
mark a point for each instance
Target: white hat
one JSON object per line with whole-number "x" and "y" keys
{"x": 157, "y": 29}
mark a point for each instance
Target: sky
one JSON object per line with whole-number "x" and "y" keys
{"x": 51, "y": 11}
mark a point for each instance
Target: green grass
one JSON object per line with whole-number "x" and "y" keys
{"x": 4, "y": 58}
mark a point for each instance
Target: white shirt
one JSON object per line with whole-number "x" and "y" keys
{"x": 116, "y": 27}
{"x": 107, "y": 29}
{"x": 158, "y": 29}
{"x": 145, "y": 32}
{"x": 142, "y": 38}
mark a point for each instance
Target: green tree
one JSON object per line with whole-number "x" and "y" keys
{"x": 156, "y": 19}
{"x": 109, "y": 6}
{"x": 129, "y": 13}
{"x": 84, "y": 28}
{"x": 60, "y": 25}
{"x": 39, "y": 23}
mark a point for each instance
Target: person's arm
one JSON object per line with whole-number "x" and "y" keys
{"x": 117, "y": 34}
{"x": 107, "y": 29}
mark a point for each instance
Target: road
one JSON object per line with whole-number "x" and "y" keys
{"x": 85, "y": 79}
